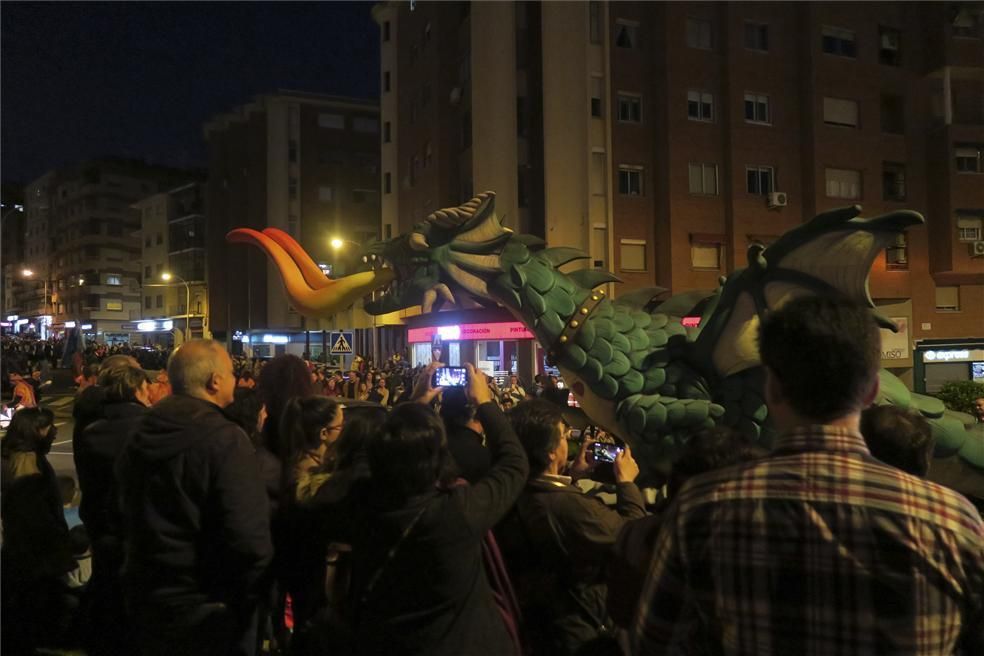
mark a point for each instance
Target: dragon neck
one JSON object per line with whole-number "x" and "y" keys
{"x": 539, "y": 295}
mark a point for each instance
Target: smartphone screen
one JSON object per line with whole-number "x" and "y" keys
{"x": 605, "y": 452}
{"x": 450, "y": 377}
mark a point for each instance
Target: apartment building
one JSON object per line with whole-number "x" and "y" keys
{"x": 173, "y": 256}
{"x": 305, "y": 163}
{"x": 11, "y": 253}
{"x": 666, "y": 138}
{"x": 80, "y": 246}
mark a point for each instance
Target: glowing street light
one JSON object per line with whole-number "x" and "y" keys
{"x": 337, "y": 243}
{"x": 166, "y": 277}
{"x": 27, "y": 273}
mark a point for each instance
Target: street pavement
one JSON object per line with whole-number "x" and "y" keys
{"x": 60, "y": 456}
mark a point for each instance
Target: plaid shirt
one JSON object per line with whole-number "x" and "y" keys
{"x": 817, "y": 549}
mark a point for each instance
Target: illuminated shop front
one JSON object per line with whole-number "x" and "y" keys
{"x": 492, "y": 340}
{"x": 940, "y": 361}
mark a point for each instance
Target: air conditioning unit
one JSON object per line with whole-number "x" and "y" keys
{"x": 777, "y": 199}
{"x": 977, "y": 249}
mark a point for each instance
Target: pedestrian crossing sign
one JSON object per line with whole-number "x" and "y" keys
{"x": 341, "y": 344}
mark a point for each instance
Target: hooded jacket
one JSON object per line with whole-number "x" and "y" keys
{"x": 195, "y": 511}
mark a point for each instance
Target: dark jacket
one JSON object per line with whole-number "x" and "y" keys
{"x": 466, "y": 448}
{"x": 557, "y": 543}
{"x": 88, "y": 408}
{"x": 35, "y": 536}
{"x": 96, "y": 452}
{"x": 195, "y": 510}
{"x": 433, "y": 596}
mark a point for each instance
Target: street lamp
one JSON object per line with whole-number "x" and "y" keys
{"x": 28, "y": 273}
{"x": 166, "y": 277}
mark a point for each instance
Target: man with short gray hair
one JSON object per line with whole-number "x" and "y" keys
{"x": 195, "y": 515}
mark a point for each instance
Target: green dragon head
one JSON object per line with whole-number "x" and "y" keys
{"x": 450, "y": 256}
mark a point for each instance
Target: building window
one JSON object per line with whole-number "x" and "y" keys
{"x": 892, "y": 114}
{"x": 633, "y": 254}
{"x": 629, "y": 108}
{"x": 159, "y": 301}
{"x": 893, "y": 181}
{"x": 630, "y": 180}
{"x": 147, "y": 303}
{"x": 970, "y": 158}
{"x": 326, "y": 194}
{"x": 113, "y": 279}
{"x": 700, "y": 106}
{"x": 703, "y": 178}
{"x": 897, "y": 255}
{"x": 840, "y": 112}
{"x": 969, "y": 227}
{"x": 966, "y": 25}
{"x": 760, "y": 179}
{"x": 597, "y": 95}
{"x": 292, "y": 150}
{"x": 386, "y": 81}
{"x": 838, "y": 41}
{"x": 888, "y": 46}
{"x": 428, "y": 155}
{"x": 699, "y": 33}
{"x": 387, "y": 137}
{"x": 160, "y": 238}
{"x": 843, "y": 183}
{"x": 594, "y": 21}
{"x": 626, "y": 34}
{"x": 757, "y": 108}
{"x": 386, "y": 30}
{"x": 705, "y": 256}
{"x": 148, "y": 241}
{"x": 292, "y": 225}
{"x": 292, "y": 188}
{"x": 147, "y": 272}
{"x": 427, "y": 32}
{"x": 114, "y": 306}
{"x": 332, "y": 121}
{"x": 388, "y": 231}
{"x": 387, "y": 183}
{"x": 948, "y": 299}
{"x": 365, "y": 124}
{"x": 756, "y": 36}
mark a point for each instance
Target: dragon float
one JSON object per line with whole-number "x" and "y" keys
{"x": 633, "y": 365}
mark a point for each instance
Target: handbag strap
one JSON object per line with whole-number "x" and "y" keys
{"x": 390, "y": 554}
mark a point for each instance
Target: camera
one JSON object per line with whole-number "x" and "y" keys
{"x": 450, "y": 377}
{"x": 605, "y": 452}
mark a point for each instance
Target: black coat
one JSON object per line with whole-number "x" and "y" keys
{"x": 472, "y": 458}
{"x": 96, "y": 452}
{"x": 433, "y": 597}
{"x": 195, "y": 510}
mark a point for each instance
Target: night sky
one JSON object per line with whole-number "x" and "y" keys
{"x": 139, "y": 79}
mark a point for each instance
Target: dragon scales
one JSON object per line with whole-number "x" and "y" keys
{"x": 636, "y": 370}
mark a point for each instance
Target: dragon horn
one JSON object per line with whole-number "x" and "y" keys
{"x": 334, "y": 297}
{"x": 313, "y": 275}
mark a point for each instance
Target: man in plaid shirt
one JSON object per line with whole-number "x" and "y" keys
{"x": 818, "y": 548}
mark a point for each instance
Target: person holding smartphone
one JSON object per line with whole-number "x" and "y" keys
{"x": 557, "y": 541}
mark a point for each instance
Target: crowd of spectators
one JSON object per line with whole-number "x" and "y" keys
{"x": 281, "y": 507}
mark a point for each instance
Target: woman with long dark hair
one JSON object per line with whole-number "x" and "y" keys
{"x": 36, "y": 551}
{"x": 309, "y": 428}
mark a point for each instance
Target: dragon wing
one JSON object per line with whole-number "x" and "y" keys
{"x": 831, "y": 254}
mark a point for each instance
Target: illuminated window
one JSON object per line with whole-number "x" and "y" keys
{"x": 843, "y": 183}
